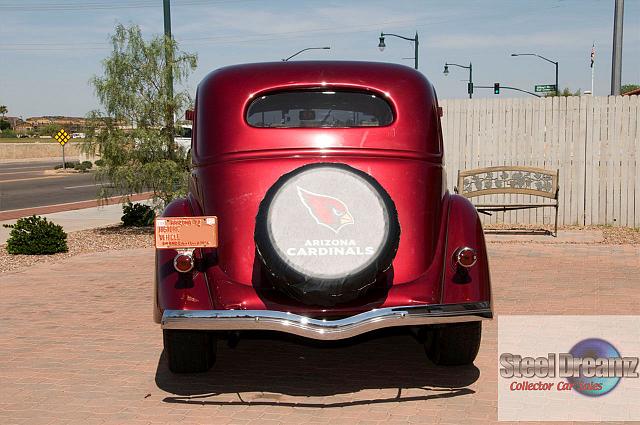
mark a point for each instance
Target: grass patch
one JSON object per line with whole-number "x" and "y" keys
{"x": 36, "y": 140}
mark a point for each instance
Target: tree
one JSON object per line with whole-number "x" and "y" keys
{"x": 47, "y": 130}
{"x": 626, "y": 88}
{"x": 564, "y": 93}
{"x": 4, "y": 124}
{"x": 130, "y": 134}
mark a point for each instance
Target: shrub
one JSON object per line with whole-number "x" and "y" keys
{"x": 99, "y": 162}
{"x": 68, "y": 164}
{"x": 36, "y": 236}
{"x": 81, "y": 166}
{"x": 138, "y": 215}
{"x": 87, "y": 164}
{"x": 8, "y": 134}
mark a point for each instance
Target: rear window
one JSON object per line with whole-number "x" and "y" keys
{"x": 319, "y": 109}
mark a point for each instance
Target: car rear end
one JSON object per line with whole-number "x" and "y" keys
{"x": 327, "y": 183}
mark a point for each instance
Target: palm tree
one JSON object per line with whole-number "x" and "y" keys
{"x": 3, "y": 110}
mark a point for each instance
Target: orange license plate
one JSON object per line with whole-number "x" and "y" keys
{"x": 186, "y": 232}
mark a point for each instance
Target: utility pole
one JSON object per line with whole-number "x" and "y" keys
{"x": 470, "y": 86}
{"x": 616, "y": 65}
{"x": 593, "y": 66}
{"x": 170, "y": 125}
{"x": 415, "y": 55}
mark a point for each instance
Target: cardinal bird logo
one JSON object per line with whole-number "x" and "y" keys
{"x": 326, "y": 210}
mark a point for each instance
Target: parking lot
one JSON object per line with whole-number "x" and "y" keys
{"x": 78, "y": 345}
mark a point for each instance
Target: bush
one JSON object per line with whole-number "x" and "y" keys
{"x": 8, "y": 134}
{"x": 36, "y": 236}
{"x": 87, "y": 164}
{"x": 138, "y": 215}
{"x": 82, "y": 166}
{"x": 68, "y": 164}
{"x": 99, "y": 162}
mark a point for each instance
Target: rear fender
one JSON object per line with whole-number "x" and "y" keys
{"x": 461, "y": 285}
{"x": 175, "y": 290}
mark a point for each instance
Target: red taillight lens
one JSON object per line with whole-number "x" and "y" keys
{"x": 183, "y": 262}
{"x": 465, "y": 257}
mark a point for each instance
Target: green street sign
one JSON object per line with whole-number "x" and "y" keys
{"x": 544, "y": 88}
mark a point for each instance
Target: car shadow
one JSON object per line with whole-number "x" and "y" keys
{"x": 288, "y": 371}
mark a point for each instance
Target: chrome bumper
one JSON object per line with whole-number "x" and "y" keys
{"x": 322, "y": 329}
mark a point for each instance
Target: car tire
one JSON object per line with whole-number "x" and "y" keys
{"x": 454, "y": 344}
{"x": 189, "y": 351}
{"x": 350, "y": 254}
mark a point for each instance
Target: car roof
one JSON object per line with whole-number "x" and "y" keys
{"x": 256, "y": 77}
{"x": 224, "y": 96}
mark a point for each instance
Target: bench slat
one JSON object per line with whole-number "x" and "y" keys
{"x": 513, "y": 205}
{"x": 508, "y": 180}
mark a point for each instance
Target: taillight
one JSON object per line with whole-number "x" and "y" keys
{"x": 183, "y": 262}
{"x": 465, "y": 257}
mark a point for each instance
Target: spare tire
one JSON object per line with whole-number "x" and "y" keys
{"x": 325, "y": 231}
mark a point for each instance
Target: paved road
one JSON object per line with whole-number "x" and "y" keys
{"x": 27, "y": 184}
{"x": 78, "y": 347}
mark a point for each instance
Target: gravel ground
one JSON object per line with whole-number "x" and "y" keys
{"x": 119, "y": 237}
{"x": 82, "y": 242}
{"x": 613, "y": 235}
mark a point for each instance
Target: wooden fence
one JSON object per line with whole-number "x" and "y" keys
{"x": 594, "y": 141}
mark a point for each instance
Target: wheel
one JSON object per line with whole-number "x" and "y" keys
{"x": 189, "y": 351}
{"x": 325, "y": 232}
{"x": 454, "y": 344}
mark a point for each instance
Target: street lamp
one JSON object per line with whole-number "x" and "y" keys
{"x": 470, "y": 68}
{"x": 304, "y": 50}
{"x": 382, "y": 45}
{"x": 548, "y": 60}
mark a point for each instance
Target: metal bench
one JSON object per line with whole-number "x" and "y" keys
{"x": 514, "y": 180}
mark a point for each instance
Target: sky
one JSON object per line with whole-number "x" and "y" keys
{"x": 49, "y": 49}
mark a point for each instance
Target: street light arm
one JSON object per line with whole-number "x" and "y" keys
{"x": 384, "y": 34}
{"x": 543, "y": 58}
{"x": 304, "y": 50}
{"x": 534, "y": 54}
{"x": 455, "y": 64}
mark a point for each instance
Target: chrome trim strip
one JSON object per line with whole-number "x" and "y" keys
{"x": 322, "y": 329}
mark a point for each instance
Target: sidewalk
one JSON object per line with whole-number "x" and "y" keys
{"x": 78, "y": 346}
{"x": 564, "y": 236}
{"x": 82, "y": 219}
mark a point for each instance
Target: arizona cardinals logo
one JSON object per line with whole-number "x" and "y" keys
{"x": 326, "y": 210}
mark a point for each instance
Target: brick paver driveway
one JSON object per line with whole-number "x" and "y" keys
{"x": 77, "y": 345}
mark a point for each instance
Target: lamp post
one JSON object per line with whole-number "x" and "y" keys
{"x": 470, "y": 68}
{"x": 304, "y": 50}
{"x": 168, "y": 52}
{"x": 381, "y": 45}
{"x": 548, "y": 60}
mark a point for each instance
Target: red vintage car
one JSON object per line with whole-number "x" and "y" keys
{"x": 324, "y": 184}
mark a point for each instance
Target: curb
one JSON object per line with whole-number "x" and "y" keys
{"x": 70, "y": 206}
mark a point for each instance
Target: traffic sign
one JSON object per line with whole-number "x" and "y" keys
{"x": 62, "y": 137}
{"x": 545, "y": 88}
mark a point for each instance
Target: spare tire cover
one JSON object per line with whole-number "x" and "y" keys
{"x": 325, "y": 231}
